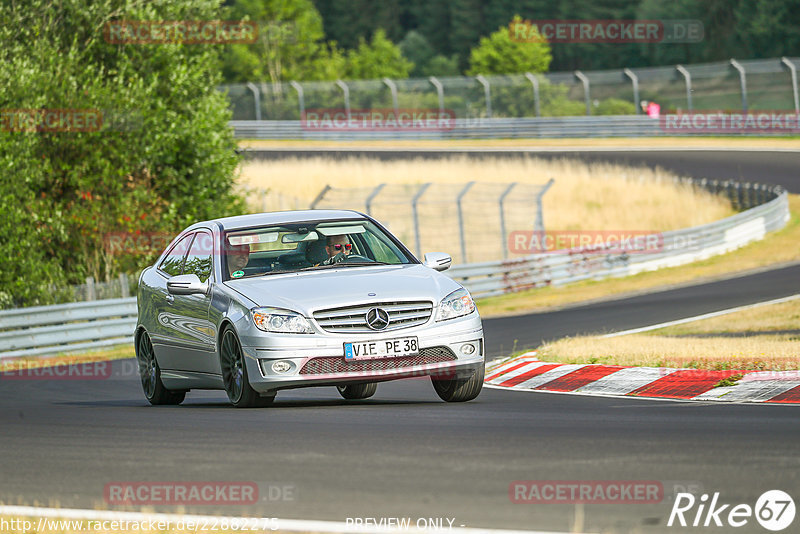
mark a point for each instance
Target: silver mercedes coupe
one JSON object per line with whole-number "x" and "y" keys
{"x": 259, "y": 303}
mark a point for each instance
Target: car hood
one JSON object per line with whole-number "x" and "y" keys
{"x": 309, "y": 291}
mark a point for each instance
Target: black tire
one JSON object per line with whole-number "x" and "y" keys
{"x": 150, "y": 374}
{"x": 358, "y": 391}
{"x": 234, "y": 374}
{"x": 460, "y": 389}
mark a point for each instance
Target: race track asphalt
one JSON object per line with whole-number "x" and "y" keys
{"x": 404, "y": 453}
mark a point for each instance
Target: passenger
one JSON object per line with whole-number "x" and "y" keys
{"x": 237, "y": 258}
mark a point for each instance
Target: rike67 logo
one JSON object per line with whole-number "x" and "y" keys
{"x": 774, "y": 510}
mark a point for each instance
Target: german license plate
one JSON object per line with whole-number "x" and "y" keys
{"x": 385, "y": 348}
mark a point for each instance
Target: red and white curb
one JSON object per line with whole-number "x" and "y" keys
{"x": 527, "y": 373}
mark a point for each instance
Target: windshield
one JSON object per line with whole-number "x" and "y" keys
{"x": 307, "y": 246}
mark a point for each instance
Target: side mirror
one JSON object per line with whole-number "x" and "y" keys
{"x": 438, "y": 261}
{"x": 187, "y": 284}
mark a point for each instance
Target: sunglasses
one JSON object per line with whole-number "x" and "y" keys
{"x": 338, "y": 246}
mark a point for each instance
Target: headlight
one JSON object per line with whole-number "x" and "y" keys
{"x": 456, "y": 304}
{"x": 278, "y": 320}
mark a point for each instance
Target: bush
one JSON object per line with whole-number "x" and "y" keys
{"x": 614, "y": 106}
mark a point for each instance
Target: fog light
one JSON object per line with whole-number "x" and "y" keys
{"x": 281, "y": 366}
{"x": 467, "y": 348}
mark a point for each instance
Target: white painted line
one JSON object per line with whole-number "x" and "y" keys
{"x": 762, "y": 376}
{"x": 516, "y": 372}
{"x": 274, "y": 524}
{"x": 549, "y": 376}
{"x": 758, "y": 391}
{"x": 527, "y": 357}
{"x": 704, "y": 316}
{"x": 625, "y": 380}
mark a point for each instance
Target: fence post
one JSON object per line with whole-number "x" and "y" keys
{"x": 256, "y": 98}
{"x": 688, "y": 77}
{"x": 393, "y": 88}
{"x": 582, "y": 77}
{"x": 91, "y": 293}
{"x": 461, "y": 221}
{"x": 539, "y": 225}
{"x": 414, "y": 202}
{"x": 535, "y": 82}
{"x": 793, "y": 71}
{"x": 320, "y": 196}
{"x": 635, "y": 80}
{"x": 503, "y": 219}
{"x": 300, "y": 97}
{"x": 440, "y": 91}
{"x": 371, "y": 196}
{"x": 487, "y": 93}
{"x": 124, "y": 289}
{"x": 346, "y": 91}
{"x": 742, "y": 81}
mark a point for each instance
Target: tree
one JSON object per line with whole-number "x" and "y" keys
{"x": 377, "y": 59}
{"x": 157, "y": 155}
{"x": 290, "y": 44}
{"x": 500, "y": 54}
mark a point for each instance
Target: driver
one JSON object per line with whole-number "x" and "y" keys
{"x": 338, "y": 248}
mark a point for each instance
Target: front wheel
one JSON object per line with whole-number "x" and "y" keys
{"x": 234, "y": 374}
{"x": 150, "y": 374}
{"x": 460, "y": 389}
{"x": 358, "y": 391}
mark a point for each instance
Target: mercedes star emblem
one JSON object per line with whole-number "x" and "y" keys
{"x": 377, "y": 318}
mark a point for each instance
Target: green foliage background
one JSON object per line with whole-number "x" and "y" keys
{"x": 164, "y": 157}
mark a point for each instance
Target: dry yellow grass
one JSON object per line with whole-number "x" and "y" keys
{"x": 764, "y": 352}
{"x": 769, "y": 318}
{"x": 583, "y": 197}
{"x": 697, "y": 347}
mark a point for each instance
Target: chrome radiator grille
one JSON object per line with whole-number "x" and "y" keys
{"x": 352, "y": 319}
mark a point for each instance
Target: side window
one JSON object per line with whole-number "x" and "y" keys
{"x": 379, "y": 249}
{"x": 174, "y": 260}
{"x": 199, "y": 259}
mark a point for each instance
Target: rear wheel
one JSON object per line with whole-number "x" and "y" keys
{"x": 460, "y": 389}
{"x": 234, "y": 374}
{"x": 358, "y": 391}
{"x": 150, "y": 374}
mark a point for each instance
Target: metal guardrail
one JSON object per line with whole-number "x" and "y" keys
{"x": 604, "y": 126}
{"x": 81, "y": 326}
{"x": 77, "y": 326}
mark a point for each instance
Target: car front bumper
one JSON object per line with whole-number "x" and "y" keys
{"x": 318, "y": 359}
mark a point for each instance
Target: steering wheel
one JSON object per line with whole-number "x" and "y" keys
{"x": 357, "y": 257}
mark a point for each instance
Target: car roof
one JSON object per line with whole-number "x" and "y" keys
{"x": 280, "y": 217}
